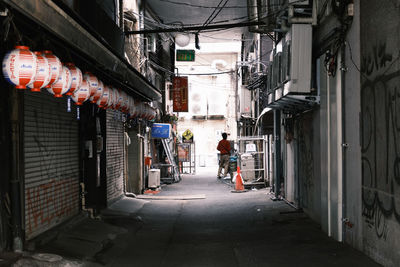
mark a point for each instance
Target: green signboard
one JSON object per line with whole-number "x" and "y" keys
{"x": 184, "y": 55}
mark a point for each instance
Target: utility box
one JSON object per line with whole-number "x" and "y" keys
{"x": 154, "y": 178}
{"x": 248, "y": 167}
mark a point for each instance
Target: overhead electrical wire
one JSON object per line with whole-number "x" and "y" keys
{"x": 210, "y": 7}
{"x": 256, "y": 18}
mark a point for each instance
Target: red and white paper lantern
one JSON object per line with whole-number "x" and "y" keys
{"x": 63, "y": 84}
{"x": 124, "y": 101}
{"x": 56, "y": 67}
{"x": 42, "y": 78}
{"x": 110, "y": 98}
{"x": 81, "y": 94}
{"x": 92, "y": 81}
{"x": 76, "y": 78}
{"x": 19, "y": 67}
{"x": 118, "y": 99}
{"x": 100, "y": 87}
{"x": 102, "y": 102}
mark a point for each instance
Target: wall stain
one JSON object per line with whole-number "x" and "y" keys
{"x": 380, "y": 128}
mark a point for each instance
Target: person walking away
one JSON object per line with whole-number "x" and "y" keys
{"x": 224, "y": 147}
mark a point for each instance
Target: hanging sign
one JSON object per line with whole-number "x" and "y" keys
{"x": 187, "y": 136}
{"x": 185, "y": 55}
{"x": 161, "y": 130}
{"x": 180, "y": 94}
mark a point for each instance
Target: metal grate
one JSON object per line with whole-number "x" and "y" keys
{"x": 51, "y": 153}
{"x": 115, "y": 155}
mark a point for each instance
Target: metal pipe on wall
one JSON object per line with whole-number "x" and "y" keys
{"x": 277, "y": 148}
{"x": 328, "y": 132}
{"x": 16, "y": 200}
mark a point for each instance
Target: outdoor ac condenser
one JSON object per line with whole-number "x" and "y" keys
{"x": 154, "y": 178}
{"x": 297, "y": 54}
{"x": 248, "y": 167}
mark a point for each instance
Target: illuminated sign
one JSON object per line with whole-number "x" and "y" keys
{"x": 185, "y": 55}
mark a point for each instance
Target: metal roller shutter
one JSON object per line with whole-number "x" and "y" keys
{"x": 51, "y": 158}
{"x": 115, "y": 155}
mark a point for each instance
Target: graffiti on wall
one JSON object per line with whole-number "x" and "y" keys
{"x": 48, "y": 202}
{"x": 51, "y": 181}
{"x": 306, "y": 162}
{"x": 380, "y": 128}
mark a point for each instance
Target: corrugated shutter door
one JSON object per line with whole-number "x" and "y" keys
{"x": 51, "y": 158}
{"x": 115, "y": 155}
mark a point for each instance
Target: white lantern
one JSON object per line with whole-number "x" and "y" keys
{"x": 55, "y": 67}
{"x": 117, "y": 98}
{"x": 94, "y": 98}
{"x": 42, "y": 73}
{"x": 182, "y": 39}
{"x": 81, "y": 94}
{"x": 102, "y": 102}
{"x": 63, "y": 84}
{"x": 92, "y": 81}
{"x": 19, "y": 67}
{"x": 76, "y": 78}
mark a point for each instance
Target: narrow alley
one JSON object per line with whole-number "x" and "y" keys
{"x": 210, "y": 226}
{"x": 119, "y": 118}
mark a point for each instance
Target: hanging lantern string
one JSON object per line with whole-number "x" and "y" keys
{"x": 6, "y": 25}
{"x": 68, "y": 54}
{"x": 17, "y": 32}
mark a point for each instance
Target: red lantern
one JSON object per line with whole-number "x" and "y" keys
{"x": 92, "y": 81}
{"x": 110, "y": 100}
{"x": 76, "y": 78}
{"x": 102, "y": 102}
{"x": 118, "y": 99}
{"x": 81, "y": 94}
{"x": 55, "y": 67}
{"x": 63, "y": 84}
{"x": 100, "y": 87}
{"x": 124, "y": 101}
{"x": 19, "y": 67}
{"x": 42, "y": 73}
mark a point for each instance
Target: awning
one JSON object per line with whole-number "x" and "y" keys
{"x": 52, "y": 18}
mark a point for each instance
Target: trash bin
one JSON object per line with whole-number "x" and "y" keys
{"x": 232, "y": 165}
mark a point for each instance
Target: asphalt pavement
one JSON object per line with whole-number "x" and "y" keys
{"x": 196, "y": 222}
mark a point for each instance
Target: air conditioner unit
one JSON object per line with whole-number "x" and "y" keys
{"x": 297, "y": 49}
{"x": 154, "y": 178}
{"x": 245, "y": 101}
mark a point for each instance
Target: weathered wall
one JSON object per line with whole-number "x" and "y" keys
{"x": 380, "y": 128}
{"x": 352, "y": 153}
{"x": 309, "y": 164}
{"x": 5, "y": 141}
{"x": 134, "y": 181}
{"x": 51, "y": 162}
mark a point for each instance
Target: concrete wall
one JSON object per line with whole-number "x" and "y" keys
{"x": 309, "y": 164}
{"x": 380, "y": 130}
{"x": 352, "y": 154}
{"x": 134, "y": 181}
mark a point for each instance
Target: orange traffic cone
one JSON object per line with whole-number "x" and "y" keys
{"x": 239, "y": 187}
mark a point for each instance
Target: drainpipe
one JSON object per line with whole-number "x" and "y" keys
{"x": 121, "y": 15}
{"x": 277, "y": 148}
{"x": 328, "y": 131}
{"x": 15, "y": 170}
{"x": 341, "y": 144}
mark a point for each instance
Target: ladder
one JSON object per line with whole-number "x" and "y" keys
{"x": 175, "y": 169}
